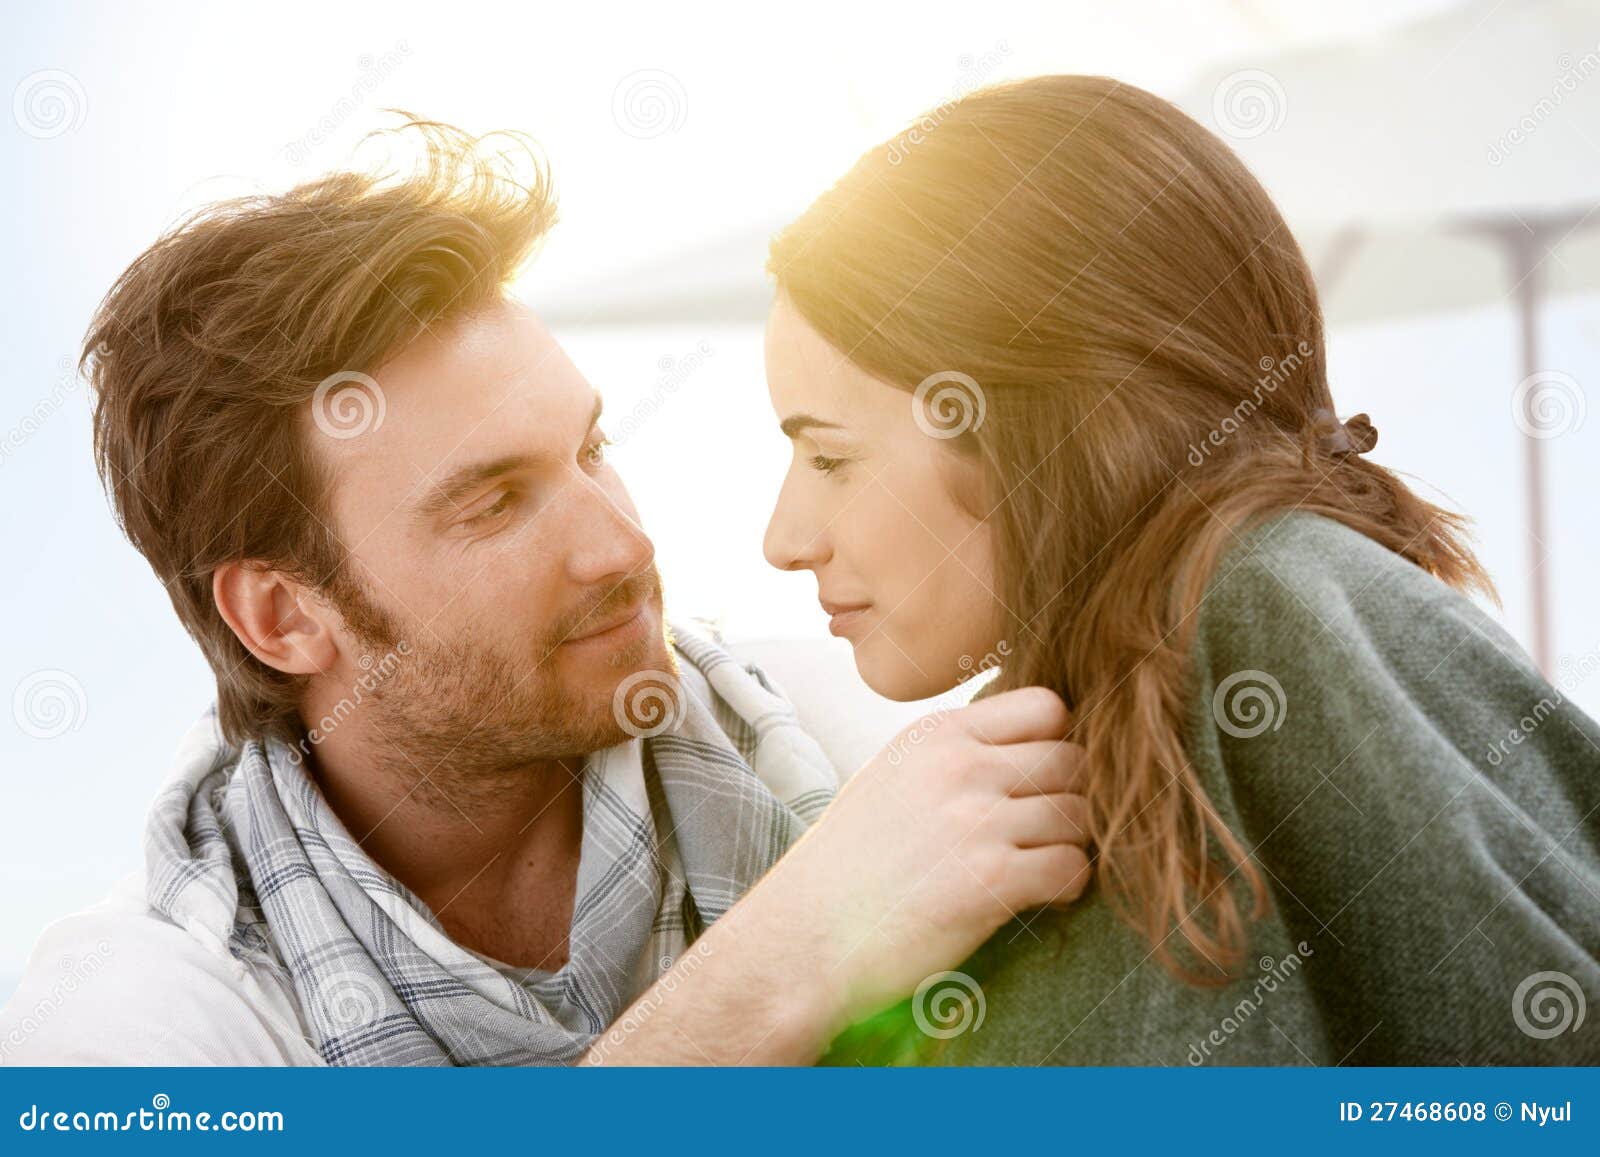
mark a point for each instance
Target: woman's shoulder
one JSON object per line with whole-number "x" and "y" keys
{"x": 1315, "y": 561}
{"x": 1320, "y": 649}
{"x": 1318, "y": 646}
{"x": 1311, "y": 592}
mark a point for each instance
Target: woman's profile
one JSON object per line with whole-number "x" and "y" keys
{"x": 1056, "y": 384}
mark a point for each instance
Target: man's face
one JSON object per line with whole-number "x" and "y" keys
{"x": 486, "y": 529}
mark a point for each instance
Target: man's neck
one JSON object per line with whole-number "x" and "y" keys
{"x": 496, "y": 862}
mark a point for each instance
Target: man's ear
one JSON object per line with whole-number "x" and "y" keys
{"x": 280, "y": 621}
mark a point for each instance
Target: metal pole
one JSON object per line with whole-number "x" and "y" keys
{"x": 1524, "y": 249}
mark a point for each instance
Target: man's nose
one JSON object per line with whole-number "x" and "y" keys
{"x": 611, "y": 544}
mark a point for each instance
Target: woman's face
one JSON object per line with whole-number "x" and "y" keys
{"x": 905, "y": 572}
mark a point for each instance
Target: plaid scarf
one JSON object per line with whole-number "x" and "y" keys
{"x": 243, "y": 851}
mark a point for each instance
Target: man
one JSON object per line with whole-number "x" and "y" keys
{"x": 460, "y": 800}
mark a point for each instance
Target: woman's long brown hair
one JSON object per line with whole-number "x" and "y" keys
{"x": 1148, "y": 345}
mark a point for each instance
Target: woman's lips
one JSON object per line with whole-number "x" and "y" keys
{"x": 845, "y": 616}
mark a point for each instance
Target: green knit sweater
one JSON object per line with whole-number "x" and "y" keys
{"x": 1424, "y": 807}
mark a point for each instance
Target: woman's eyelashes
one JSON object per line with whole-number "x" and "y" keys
{"x": 829, "y": 463}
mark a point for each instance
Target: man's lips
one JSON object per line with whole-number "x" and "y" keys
{"x": 593, "y": 628}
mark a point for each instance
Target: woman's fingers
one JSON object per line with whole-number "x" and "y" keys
{"x": 1038, "y": 821}
{"x": 1057, "y": 875}
{"x": 1028, "y": 713}
{"x": 1043, "y": 768}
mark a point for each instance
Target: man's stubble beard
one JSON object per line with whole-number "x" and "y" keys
{"x": 469, "y": 718}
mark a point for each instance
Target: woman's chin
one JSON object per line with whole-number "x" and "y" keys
{"x": 891, "y": 674}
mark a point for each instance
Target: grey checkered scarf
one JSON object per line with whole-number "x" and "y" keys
{"x": 243, "y": 851}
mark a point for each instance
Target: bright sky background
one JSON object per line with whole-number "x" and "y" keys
{"x": 180, "y": 104}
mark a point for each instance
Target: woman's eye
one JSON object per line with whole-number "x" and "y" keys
{"x": 595, "y": 452}
{"x": 825, "y": 465}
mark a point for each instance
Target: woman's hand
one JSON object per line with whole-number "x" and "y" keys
{"x": 964, "y": 820}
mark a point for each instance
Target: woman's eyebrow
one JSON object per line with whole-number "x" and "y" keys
{"x": 796, "y": 423}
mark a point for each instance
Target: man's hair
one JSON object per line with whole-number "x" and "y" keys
{"x": 206, "y": 354}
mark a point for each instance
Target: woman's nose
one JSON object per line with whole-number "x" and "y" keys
{"x": 791, "y": 541}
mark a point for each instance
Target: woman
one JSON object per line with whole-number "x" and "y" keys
{"x": 1056, "y": 387}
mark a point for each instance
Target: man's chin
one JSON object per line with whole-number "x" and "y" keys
{"x": 630, "y": 692}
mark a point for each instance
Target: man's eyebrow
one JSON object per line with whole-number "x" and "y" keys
{"x": 796, "y": 423}
{"x": 457, "y": 485}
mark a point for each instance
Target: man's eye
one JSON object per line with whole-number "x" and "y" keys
{"x": 489, "y": 513}
{"x": 824, "y": 464}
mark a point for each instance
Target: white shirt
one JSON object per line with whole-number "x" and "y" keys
{"x": 120, "y": 984}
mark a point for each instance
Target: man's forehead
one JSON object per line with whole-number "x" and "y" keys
{"x": 493, "y": 382}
